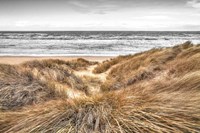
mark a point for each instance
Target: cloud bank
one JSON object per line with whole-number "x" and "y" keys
{"x": 194, "y": 3}
{"x": 99, "y": 14}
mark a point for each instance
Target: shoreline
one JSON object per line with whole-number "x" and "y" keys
{"x": 14, "y": 60}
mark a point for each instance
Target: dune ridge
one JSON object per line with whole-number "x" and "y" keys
{"x": 153, "y": 91}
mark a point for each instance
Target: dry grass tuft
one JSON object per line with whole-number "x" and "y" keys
{"x": 168, "y": 110}
{"x": 19, "y": 88}
{"x": 77, "y": 64}
{"x": 56, "y": 72}
{"x": 103, "y": 67}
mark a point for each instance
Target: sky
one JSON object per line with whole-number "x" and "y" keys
{"x": 69, "y": 15}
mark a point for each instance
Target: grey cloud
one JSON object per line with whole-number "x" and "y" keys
{"x": 190, "y": 27}
{"x": 194, "y": 3}
{"x": 93, "y": 6}
{"x": 104, "y": 6}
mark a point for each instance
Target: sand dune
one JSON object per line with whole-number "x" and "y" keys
{"x": 154, "y": 91}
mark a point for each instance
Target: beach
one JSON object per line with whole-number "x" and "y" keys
{"x": 155, "y": 90}
{"x": 100, "y": 66}
{"x": 14, "y": 60}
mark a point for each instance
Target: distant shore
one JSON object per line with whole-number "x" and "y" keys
{"x": 13, "y": 60}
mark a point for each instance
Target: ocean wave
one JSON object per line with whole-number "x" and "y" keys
{"x": 100, "y": 35}
{"x": 89, "y": 43}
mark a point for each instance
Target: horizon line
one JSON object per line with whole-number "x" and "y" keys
{"x": 100, "y": 31}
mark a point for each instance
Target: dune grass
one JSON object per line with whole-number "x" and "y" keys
{"x": 103, "y": 67}
{"x": 38, "y": 81}
{"x": 172, "y": 109}
{"x": 154, "y": 91}
{"x": 77, "y": 64}
{"x": 18, "y": 88}
{"x": 147, "y": 65}
{"x": 58, "y": 73}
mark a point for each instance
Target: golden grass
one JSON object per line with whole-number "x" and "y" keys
{"x": 38, "y": 81}
{"x": 77, "y": 64}
{"x": 19, "y": 88}
{"x": 103, "y": 67}
{"x": 155, "y": 91}
{"x": 57, "y": 72}
{"x": 134, "y": 110}
{"x": 147, "y": 65}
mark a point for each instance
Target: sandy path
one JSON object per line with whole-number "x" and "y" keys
{"x": 89, "y": 73}
{"x": 98, "y": 79}
{"x": 93, "y": 81}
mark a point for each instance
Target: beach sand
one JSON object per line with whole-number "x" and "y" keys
{"x": 14, "y": 60}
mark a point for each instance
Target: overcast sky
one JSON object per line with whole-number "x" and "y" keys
{"x": 100, "y": 15}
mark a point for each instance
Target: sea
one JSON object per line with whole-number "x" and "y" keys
{"x": 89, "y": 43}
